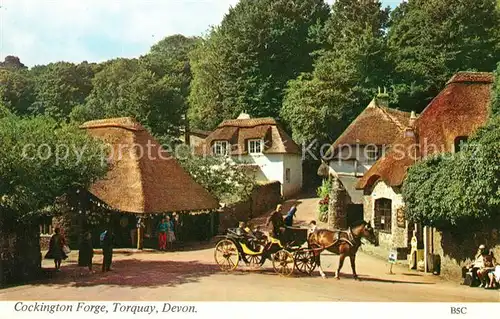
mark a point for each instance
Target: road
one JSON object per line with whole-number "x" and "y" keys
{"x": 193, "y": 276}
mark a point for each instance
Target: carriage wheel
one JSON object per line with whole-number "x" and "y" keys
{"x": 254, "y": 261}
{"x": 226, "y": 255}
{"x": 304, "y": 261}
{"x": 283, "y": 263}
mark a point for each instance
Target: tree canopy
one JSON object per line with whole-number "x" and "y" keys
{"x": 41, "y": 160}
{"x": 245, "y": 63}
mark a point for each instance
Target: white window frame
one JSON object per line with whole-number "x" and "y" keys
{"x": 218, "y": 148}
{"x": 253, "y": 144}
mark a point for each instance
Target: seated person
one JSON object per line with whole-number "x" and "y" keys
{"x": 495, "y": 277}
{"x": 489, "y": 264}
{"x": 312, "y": 227}
{"x": 475, "y": 265}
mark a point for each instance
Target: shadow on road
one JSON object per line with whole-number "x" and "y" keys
{"x": 133, "y": 273}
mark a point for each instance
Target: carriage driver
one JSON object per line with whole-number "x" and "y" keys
{"x": 277, "y": 220}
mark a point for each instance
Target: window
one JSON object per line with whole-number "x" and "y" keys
{"x": 459, "y": 142}
{"x": 383, "y": 214}
{"x": 255, "y": 146}
{"x": 287, "y": 175}
{"x": 46, "y": 225}
{"x": 221, "y": 148}
{"x": 372, "y": 153}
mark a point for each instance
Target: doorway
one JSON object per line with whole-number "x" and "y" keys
{"x": 354, "y": 214}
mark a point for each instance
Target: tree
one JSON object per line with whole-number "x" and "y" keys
{"x": 16, "y": 90}
{"x": 430, "y": 40}
{"x": 60, "y": 87}
{"x": 125, "y": 88}
{"x": 224, "y": 178}
{"x": 245, "y": 63}
{"x": 347, "y": 72}
{"x": 41, "y": 160}
{"x": 460, "y": 189}
{"x": 495, "y": 100}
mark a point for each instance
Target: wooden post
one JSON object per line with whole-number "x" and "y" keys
{"x": 426, "y": 249}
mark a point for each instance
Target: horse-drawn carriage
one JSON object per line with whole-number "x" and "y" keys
{"x": 286, "y": 254}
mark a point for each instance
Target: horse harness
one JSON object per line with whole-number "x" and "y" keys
{"x": 350, "y": 240}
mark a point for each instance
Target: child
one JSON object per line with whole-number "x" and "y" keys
{"x": 312, "y": 226}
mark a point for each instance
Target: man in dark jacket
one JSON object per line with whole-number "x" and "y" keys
{"x": 277, "y": 221}
{"x": 107, "y": 250}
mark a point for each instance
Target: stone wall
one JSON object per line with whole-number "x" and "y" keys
{"x": 337, "y": 206}
{"x": 264, "y": 198}
{"x": 457, "y": 249}
{"x": 397, "y": 239}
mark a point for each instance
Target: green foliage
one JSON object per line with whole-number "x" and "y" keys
{"x": 224, "y": 178}
{"x": 323, "y": 192}
{"x": 495, "y": 99}
{"x": 321, "y": 104}
{"x": 245, "y": 63}
{"x": 430, "y": 40}
{"x": 458, "y": 189}
{"x": 41, "y": 160}
{"x": 60, "y": 87}
{"x": 16, "y": 90}
{"x": 125, "y": 87}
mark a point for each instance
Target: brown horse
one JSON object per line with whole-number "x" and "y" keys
{"x": 341, "y": 242}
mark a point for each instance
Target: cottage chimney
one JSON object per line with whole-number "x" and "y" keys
{"x": 382, "y": 98}
{"x": 244, "y": 116}
{"x": 410, "y": 130}
{"x": 413, "y": 119}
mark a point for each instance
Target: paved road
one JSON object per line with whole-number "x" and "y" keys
{"x": 193, "y": 276}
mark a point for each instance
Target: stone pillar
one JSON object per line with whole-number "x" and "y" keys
{"x": 337, "y": 206}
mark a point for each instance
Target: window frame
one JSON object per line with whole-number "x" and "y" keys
{"x": 383, "y": 208}
{"x": 370, "y": 151}
{"x": 258, "y": 141}
{"x": 458, "y": 142}
{"x": 218, "y": 145}
{"x": 288, "y": 174}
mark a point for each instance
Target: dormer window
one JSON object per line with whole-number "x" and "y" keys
{"x": 220, "y": 148}
{"x": 255, "y": 146}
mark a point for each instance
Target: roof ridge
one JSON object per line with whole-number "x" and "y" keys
{"x": 396, "y": 121}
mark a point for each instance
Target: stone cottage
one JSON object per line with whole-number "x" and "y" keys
{"x": 364, "y": 141}
{"x": 451, "y": 117}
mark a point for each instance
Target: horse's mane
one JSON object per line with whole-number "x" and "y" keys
{"x": 358, "y": 223}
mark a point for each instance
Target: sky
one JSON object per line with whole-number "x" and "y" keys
{"x": 44, "y": 31}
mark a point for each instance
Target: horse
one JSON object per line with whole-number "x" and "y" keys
{"x": 341, "y": 242}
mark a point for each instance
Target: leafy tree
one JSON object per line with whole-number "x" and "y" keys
{"x": 221, "y": 176}
{"x": 41, "y": 160}
{"x": 125, "y": 88}
{"x": 495, "y": 102}
{"x": 347, "y": 72}
{"x": 430, "y": 40}
{"x": 461, "y": 189}
{"x": 60, "y": 87}
{"x": 16, "y": 90}
{"x": 245, "y": 63}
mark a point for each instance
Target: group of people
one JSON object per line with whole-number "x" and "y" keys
{"x": 167, "y": 230}
{"x": 484, "y": 268}
{"x": 59, "y": 250}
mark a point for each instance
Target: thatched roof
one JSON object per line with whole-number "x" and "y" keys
{"x": 458, "y": 110}
{"x": 144, "y": 184}
{"x": 377, "y": 125}
{"x": 238, "y": 131}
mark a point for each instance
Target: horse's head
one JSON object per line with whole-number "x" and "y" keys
{"x": 368, "y": 232}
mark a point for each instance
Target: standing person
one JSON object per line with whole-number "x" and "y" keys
{"x": 107, "y": 249}
{"x": 277, "y": 221}
{"x": 289, "y": 217}
{"x": 162, "y": 234}
{"x": 56, "y": 251}
{"x": 170, "y": 233}
{"x": 86, "y": 252}
{"x": 178, "y": 227}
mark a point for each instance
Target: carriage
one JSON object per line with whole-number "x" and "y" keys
{"x": 286, "y": 255}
